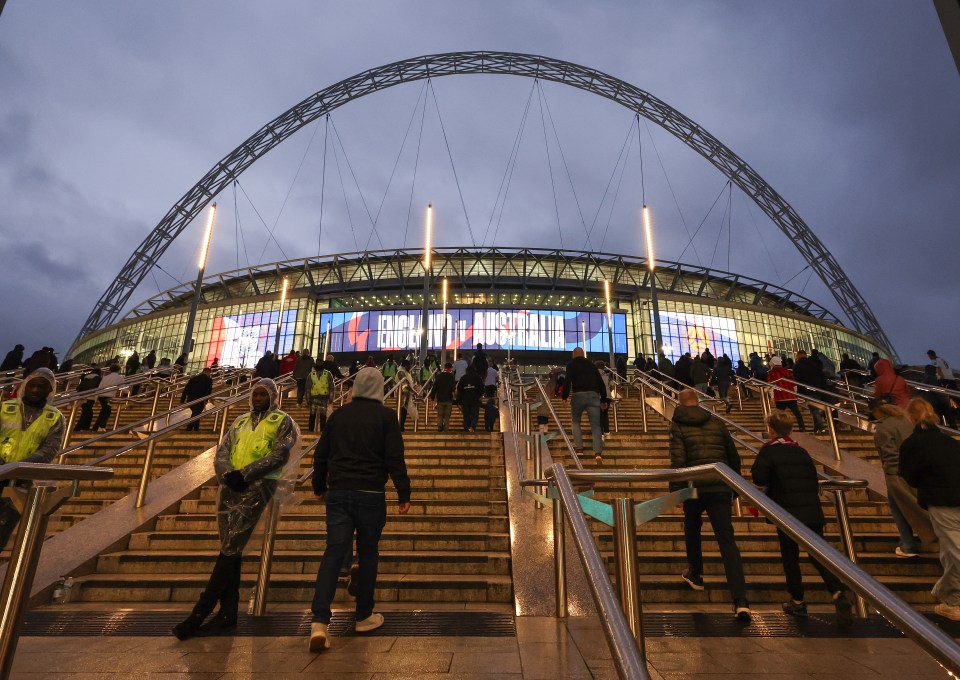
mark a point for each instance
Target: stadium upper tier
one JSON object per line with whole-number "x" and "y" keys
{"x": 537, "y": 301}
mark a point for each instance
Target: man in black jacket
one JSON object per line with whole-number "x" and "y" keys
{"x": 809, "y": 373}
{"x": 698, "y": 438}
{"x": 788, "y": 476}
{"x": 199, "y": 386}
{"x": 590, "y": 395}
{"x": 359, "y": 448}
{"x": 442, "y": 393}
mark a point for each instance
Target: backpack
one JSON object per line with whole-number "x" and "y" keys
{"x": 320, "y": 387}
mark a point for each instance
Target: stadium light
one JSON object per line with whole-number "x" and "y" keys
{"x": 606, "y": 294}
{"x": 283, "y": 299}
{"x": 651, "y": 265}
{"x": 425, "y": 310}
{"x": 583, "y": 336}
{"x": 326, "y": 342}
{"x": 187, "y": 346}
{"x": 443, "y": 337}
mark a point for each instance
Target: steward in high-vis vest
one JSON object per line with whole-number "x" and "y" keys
{"x": 319, "y": 388}
{"x": 30, "y": 432}
{"x": 248, "y": 463}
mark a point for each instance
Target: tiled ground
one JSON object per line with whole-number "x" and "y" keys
{"x": 544, "y": 648}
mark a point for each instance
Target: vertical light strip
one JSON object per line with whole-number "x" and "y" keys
{"x": 207, "y": 233}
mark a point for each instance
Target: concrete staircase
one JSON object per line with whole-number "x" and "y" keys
{"x": 452, "y": 547}
{"x": 661, "y": 542}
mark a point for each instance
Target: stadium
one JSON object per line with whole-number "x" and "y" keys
{"x": 538, "y": 302}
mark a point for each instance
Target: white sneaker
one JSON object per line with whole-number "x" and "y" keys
{"x": 948, "y": 611}
{"x": 319, "y": 640}
{"x": 372, "y": 622}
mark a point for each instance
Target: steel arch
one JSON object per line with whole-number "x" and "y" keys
{"x": 320, "y": 103}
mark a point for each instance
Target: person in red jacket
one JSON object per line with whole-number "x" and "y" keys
{"x": 782, "y": 380}
{"x": 890, "y": 385}
{"x": 288, "y": 362}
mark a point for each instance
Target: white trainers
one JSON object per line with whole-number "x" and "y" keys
{"x": 319, "y": 639}
{"x": 372, "y": 622}
{"x": 948, "y": 611}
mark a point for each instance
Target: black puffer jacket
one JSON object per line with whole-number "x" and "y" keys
{"x": 930, "y": 462}
{"x": 697, "y": 438}
{"x": 790, "y": 477}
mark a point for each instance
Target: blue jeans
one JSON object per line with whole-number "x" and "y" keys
{"x": 908, "y": 542}
{"x": 589, "y": 402}
{"x": 362, "y": 512}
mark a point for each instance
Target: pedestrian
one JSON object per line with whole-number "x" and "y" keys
{"x": 460, "y": 367}
{"x": 850, "y": 370}
{"x": 442, "y": 391}
{"x": 490, "y": 380}
{"x": 360, "y": 447}
{"x": 698, "y": 438}
{"x": 890, "y": 385}
{"x": 681, "y": 369}
{"x": 605, "y": 401}
{"x": 930, "y": 462}
{"x": 708, "y": 358}
{"x": 586, "y": 390}
{"x": 149, "y": 361}
{"x": 197, "y": 389}
{"x": 301, "y": 371}
{"x": 112, "y": 379}
{"x": 784, "y": 389}
{"x": 249, "y": 461}
{"x": 469, "y": 392}
{"x": 722, "y": 376}
{"x": 700, "y": 375}
{"x": 622, "y": 366}
{"x": 405, "y": 391}
{"x": 944, "y": 372}
{"x": 38, "y": 359}
{"x": 758, "y": 368}
{"x": 165, "y": 369}
{"x": 788, "y": 476}
{"x": 389, "y": 372}
{"x": 89, "y": 381}
{"x": 480, "y": 362}
{"x": 808, "y": 373}
{"x": 491, "y": 414}
{"x": 180, "y": 364}
{"x": 288, "y": 362}
{"x": 742, "y": 376}
{"x": 13, "y": 360}
{"x": 892, "y": 426}
{"x": 938, "y": 400}
{"x": 319, "y": 387}
{"x": 872, "y": 365}
{"x": 31, "y": 431}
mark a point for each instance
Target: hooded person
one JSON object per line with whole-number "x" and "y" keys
{"x": 360, "y": 447}
{"x": 890, "y": 385}
{"x": 13, "y": 360}
{"x": 31, "y": 431}
{"x": 249, "y": 461}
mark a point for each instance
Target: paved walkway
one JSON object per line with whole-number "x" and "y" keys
{"x": 543, "y": 649}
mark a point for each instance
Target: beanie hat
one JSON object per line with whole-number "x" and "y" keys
{"x": 368, "y": 384}
{"x": 776, "y": 361}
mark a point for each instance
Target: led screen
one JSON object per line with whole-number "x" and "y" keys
{"x": 241, "y": 340}
{"x": 396, "y": 330}
{"x": 696, "y": 332}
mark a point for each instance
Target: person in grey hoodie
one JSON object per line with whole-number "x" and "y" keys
{"x": 301, "y": 371}
{"x": 893, "y": 426}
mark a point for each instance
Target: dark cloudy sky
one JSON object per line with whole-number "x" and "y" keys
{"x": 110, "y": 111}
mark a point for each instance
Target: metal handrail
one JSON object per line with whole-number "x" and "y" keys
{"x": 38, "y": 505}
{"x": 929, "y": 637}
{"x": 556, "y": 420}
{"x": 155, "y": 416}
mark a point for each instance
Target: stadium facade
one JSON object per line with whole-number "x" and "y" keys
{"x": 537, "y": 303}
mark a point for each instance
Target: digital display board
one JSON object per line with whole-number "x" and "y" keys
{"x": 694, "y": 333}
{"x": 241, "y": 340}
{"x": 396, "y": 330}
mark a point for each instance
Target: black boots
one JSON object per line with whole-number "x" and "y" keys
{"x": 224, "y": 585}
{"x": 313, "y": 421}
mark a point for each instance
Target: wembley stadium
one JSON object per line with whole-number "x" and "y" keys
{"x": 539, "y": 304}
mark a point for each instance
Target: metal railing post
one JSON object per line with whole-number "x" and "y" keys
{"x": 616, "y": 417}
{"x": 833, "y": 432}
{"x": 223, "y": 422}
{"x": 259, "y": 604}
{"x": 116, "y": 418}
{"x": 740, "y": 394}
{"x": 765, "y": 402}
{"x": 643, "y": 405}
{"x": 71, "y": 420}
{"x": 525, "y": 428}
{"x": 145, "y": 474}
{"x": 627, "y": 568}
{"x": 537, "y": 465}
{"x": 559, "y": 560}
{"x": 20, "y": 572}
{"x": 846, "y": 539}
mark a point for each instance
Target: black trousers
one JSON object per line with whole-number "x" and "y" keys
{"x": 195, "y": 410}
{"x": 791, "y": 404}
{"x": 717, "y": 507}
{"x": 105, "y": 411}
{"x": 223, "y": 586}
{"x": 790, "y": 553}
{"x": 9, "y": 517}
{"x": 86, "y": 416}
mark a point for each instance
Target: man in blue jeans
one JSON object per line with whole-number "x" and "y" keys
{"x": 359, "y": 448}
{"x": 590, "y": 395}
{"x": 699, "y": 438}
